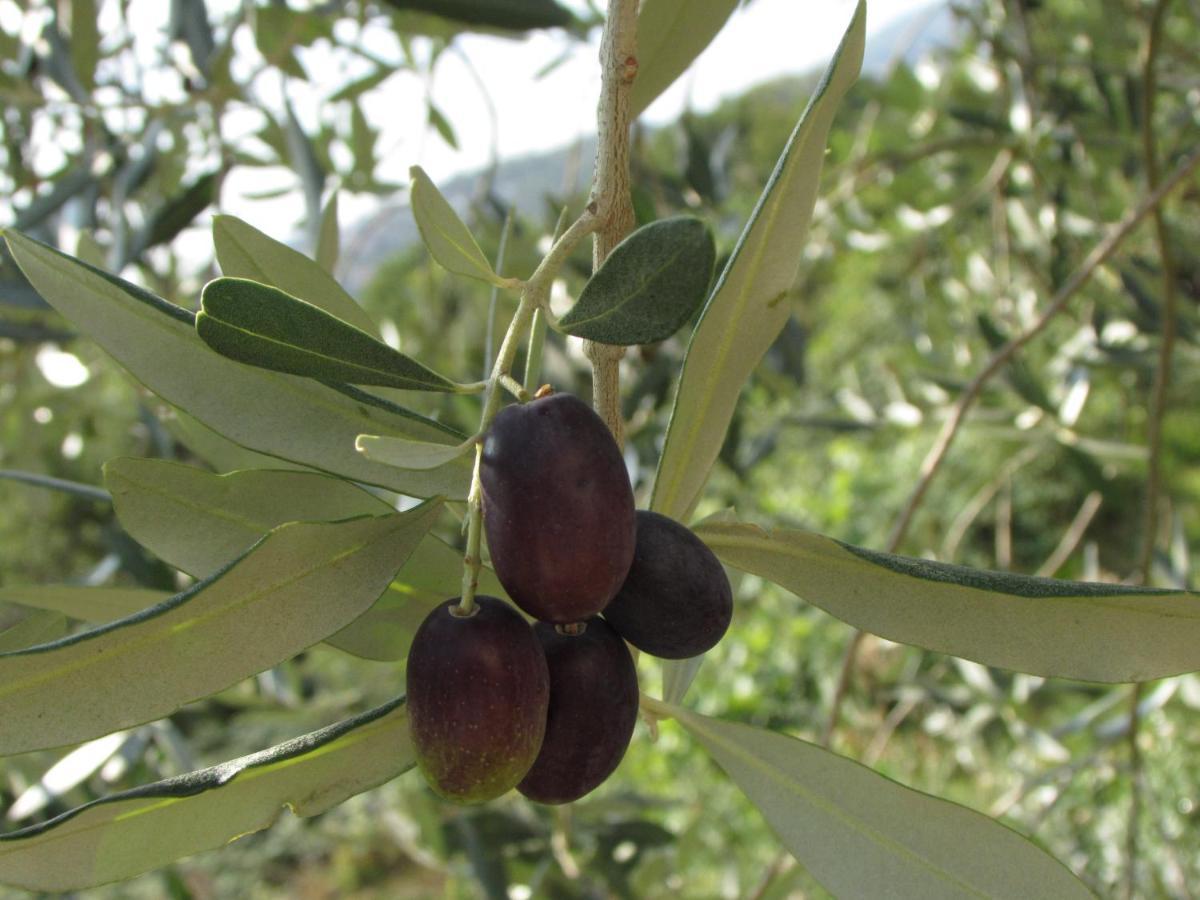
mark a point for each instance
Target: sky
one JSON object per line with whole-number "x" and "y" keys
{"x": 529, "y": 114}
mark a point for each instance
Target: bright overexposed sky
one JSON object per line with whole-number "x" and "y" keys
{"x": 492, "y": 83}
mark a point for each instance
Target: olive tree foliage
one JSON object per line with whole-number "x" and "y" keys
{"x": 989, "y": 234}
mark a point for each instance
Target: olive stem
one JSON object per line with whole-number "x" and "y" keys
{"x": 610, "y": 188}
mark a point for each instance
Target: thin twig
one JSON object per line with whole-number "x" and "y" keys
{"x": 937, "y": 454}
{"x": 1072, "y": 536}
{"x": 1080, "y": 277}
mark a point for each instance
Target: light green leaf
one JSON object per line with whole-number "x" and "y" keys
{"x": 262, "y": 326}
{"x": 85, "y": 604}
{"x": 678, "y": 675}
{"x": 749, "y": 305}
{"x": 406, "y": 454}
{"x": 329, "y": 241}
{"x": 670, "y": 35}
{"x": 297, "y": 586}
{"x": 218, "y": 451}
{"x": 863, "y": 835}
{"x": 33, "y": 626}
{"x": 1066, "y": 629}
{"x": 648, "y": 286}
{"x": 446, "y": 235}
{"x": 125, "y": 834}
{"x": 197, "y": 522}
{"x": 293, "y": 418}
{"x": 245, "y": 252}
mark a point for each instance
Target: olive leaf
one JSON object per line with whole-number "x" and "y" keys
{"x": 406, "y": 454}
{"x": 245, "y": 252}
{"x": 122, "y": 835}
{"x": 670, "y": 35}
{"x": 446, "y": 236}
{"x": 748, "y": 307}
{"x": 648, "y": 286}
{"x": 265, "y": 327}
{"x": 863, "y": 835}
{"x": 299, "y": 584}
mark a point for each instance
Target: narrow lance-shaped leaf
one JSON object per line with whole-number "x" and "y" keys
{"x": 296, "y": 419}
{"x": 446, "y": 236}
{"x": 329, "y": 240}
{"x": 1066, "y": 629}
{"x": 648, "y": 286}
{"x": 670, "y": 35}
{"x": 85, "y": 604}
{"x": 245, "y": 252}
{"x": 863, "y": 835}
{"x": 125, "y": 834}
{"x": 297, "y": 586}
{"x": 748, "y": 307}
{"x": 407, "y": 454}
{"x": 197, "y": 522}
{"x": 265, "y": 327}
{"x": 510, "y": 14}
{"x": 33, "y": 626}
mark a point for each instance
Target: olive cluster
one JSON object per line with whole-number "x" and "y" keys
{"x": 550, "y": 709}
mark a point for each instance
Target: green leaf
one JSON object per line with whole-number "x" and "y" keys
{"x": 176, "y": 213}
{"x": 85, "y": 42}
{"x": 517, "y": 15}
{"x": 294, "y": 588}
{"x": 670, "y": 35}
{"x": 293, "y": 418}
{"x": 34, "y": 626}
{"x": 197, "y": 522}
{"x": 328, "y": 243}
{"x": 648, "y": 287}
{"x": 245, "y": 252}
{"x": 749, "y": 305}
{"x": 1066, "y": 629}
{"x": 863, "y": 835}
{"x": 406, "y": 454}
{"x": 125, "y": 834}
{"x": 442, "y": 125}
{"x": 86, "y": 604}
{"x": 445, "y": 235}
{"x": 265, "y": 327}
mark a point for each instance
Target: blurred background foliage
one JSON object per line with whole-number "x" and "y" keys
{"x": 961, "y": 190}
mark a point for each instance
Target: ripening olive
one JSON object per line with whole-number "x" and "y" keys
{"x": 557, "y": 508}
{"x": 478, "y": 690}
{"x": 593, "y": 708}
{"x": 676, "y": 601}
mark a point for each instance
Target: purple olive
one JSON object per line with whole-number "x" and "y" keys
{"x": 557, "y": 508}
{"x": 593, "y": 708}
{"x": 478, "y": 691}
{"x": 676, "y": 601}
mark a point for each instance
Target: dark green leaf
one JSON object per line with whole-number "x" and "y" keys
{"x": 516, "y": 15}
{"x": 648, "y": 287}
{"x": 329, "y": 242}
{"x": 122, "y": 835}
{"x": 261, "y": 325}
{"x": 245, "y": 252}
{"x": 176, "y": 214}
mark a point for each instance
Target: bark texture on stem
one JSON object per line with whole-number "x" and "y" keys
{"x": 610, "y": 188}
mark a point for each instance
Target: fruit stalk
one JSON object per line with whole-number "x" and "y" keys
{"x": 534, "y": 296}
